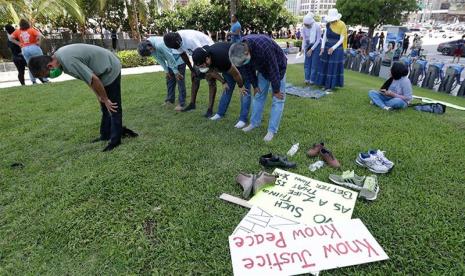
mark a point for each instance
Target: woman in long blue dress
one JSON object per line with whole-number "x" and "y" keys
{"x": 331, "y": 73}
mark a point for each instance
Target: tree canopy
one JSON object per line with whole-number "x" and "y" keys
{"x": 375, "y": 13}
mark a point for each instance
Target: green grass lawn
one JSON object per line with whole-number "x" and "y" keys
{"x": 152, "y": 207}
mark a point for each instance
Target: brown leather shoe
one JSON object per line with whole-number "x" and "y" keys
{"x": 315, "y": 150}
{"x": 246, "y": 181}
{"x": 328, "y": 157}
{"x": 263, "y": 178}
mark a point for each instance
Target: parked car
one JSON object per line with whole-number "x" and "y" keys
{"x": 448, "y": 48}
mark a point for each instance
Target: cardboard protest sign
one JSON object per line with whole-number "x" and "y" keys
{"x": 302, "y": 249}
{"x": 258, "y": 220}
{"x": 305, "y": 200}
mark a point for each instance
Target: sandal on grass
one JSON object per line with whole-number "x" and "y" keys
{"x": 366, "y": 185}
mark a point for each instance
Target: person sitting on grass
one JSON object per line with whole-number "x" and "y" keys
{"x": 173, "y": 65}
{"x": 101, "y": 70}
{"x": 396, "y": 92}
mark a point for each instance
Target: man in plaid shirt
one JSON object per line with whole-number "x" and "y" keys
{"x": 259, "y": 53}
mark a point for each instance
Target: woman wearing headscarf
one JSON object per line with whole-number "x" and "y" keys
{"x": 331, "y": 72}
{"x": 311, "y": 34}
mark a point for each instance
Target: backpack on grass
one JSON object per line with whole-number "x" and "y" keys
{"x": 435, "y": 108}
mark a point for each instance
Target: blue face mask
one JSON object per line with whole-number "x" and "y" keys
{"x": 247, "y": 61}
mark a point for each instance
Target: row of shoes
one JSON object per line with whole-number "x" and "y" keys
{"x": 325, "y": 154}
{"x": 252, "y": 183}
{"x": 367, "y": 186}
{"x": 375, "y": 161}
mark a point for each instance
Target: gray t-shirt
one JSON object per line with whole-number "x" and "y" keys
{"x": 83, "y": 60}
{"x": 403, "y": 87}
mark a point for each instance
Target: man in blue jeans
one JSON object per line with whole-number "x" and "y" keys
{"x": 172, "y": 64}
{"x": 216, "y": 59}
{"x": 259, "y": 53}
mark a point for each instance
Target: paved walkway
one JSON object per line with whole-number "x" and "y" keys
{"x": 10, "y": 79}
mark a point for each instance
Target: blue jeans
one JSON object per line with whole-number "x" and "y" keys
{"x": 382, "y": 101}
{"x": 227, "y": 95}
{"x": 277, "y": 105}
{"x": 171, "y": 85}
{"x": 29, "y": 52}
{"x": 311, "y": 64}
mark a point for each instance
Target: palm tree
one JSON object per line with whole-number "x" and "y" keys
{"x": 13, "y": 10}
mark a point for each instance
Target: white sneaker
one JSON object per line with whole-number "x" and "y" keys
{"x": 387, "y": 108}
{"x": 380, "y": 155}
{"x": 372, "y": 103}
{"x": 372, "y": 163}
{"x": 248, "y": 128}
{"x": 268, "y": 137}
{"x": 240, "y": 124}
{"x": 216, "y": 117}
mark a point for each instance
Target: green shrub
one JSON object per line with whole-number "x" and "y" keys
{"x": 298, "y": 43}
{"x": 130, "y": 58}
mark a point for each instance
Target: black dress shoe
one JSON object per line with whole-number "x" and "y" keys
{"x": 127, "y": 133}
{"x": 110, "y": 147}
{"x": 270, "y": 161}
{"x": 190, "y": 107}
{"x": 208, "y": 114}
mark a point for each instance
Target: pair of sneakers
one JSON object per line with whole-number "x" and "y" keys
{"x": 367, "y": 186}
{"x": 375, "y": 161}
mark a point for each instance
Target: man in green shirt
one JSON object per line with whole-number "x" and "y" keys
{"x": 101, "y": 70}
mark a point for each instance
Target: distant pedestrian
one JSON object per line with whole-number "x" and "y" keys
{"x": 459, "y": 49}
{"x": 29, "y": 39}
{"x": 374, "y": 42}
{"x": 405, "y": 44}
{"x": 18, "y": 58}
{"x": 235, "y": 29}
{"x": 114, "y": 39}
{"x": 381, "y": 42}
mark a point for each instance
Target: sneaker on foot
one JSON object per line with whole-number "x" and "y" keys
{"x": 248, "y": 128}
{"x": 380, "y": 155}
{"x": 167, "y": 104}
{"x": 216, "y": 117}
{"x": 371, "y": 162}
{"x": 178, "y": 108}
{"x": 240, "y": 124}
{"x": 190, "y": 107}
{"x": 387, "y": 108}
{"x": 268, "y": 137}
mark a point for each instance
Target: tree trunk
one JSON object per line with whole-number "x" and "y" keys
{"x": 233, "y": 7}
{"x": 371, "y": 30}
{"x": 133, "y": 18}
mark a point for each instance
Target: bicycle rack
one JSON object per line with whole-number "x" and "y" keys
{"x": 357, "y": 60}
{"x": 453, "y": 73}
{"x": 431, "y": 75}
{"x": 365, "y": 69}
{"x": 418, "y": 67}
{"x": 376, "y": 66}
{"x": 461, "y": 92}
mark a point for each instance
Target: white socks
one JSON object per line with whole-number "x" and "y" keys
{"x": 216, "y": 117}
{"x": 268, "y": 137}
{"x": 248, "y": 128}
{"x": 240, "y": 124}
